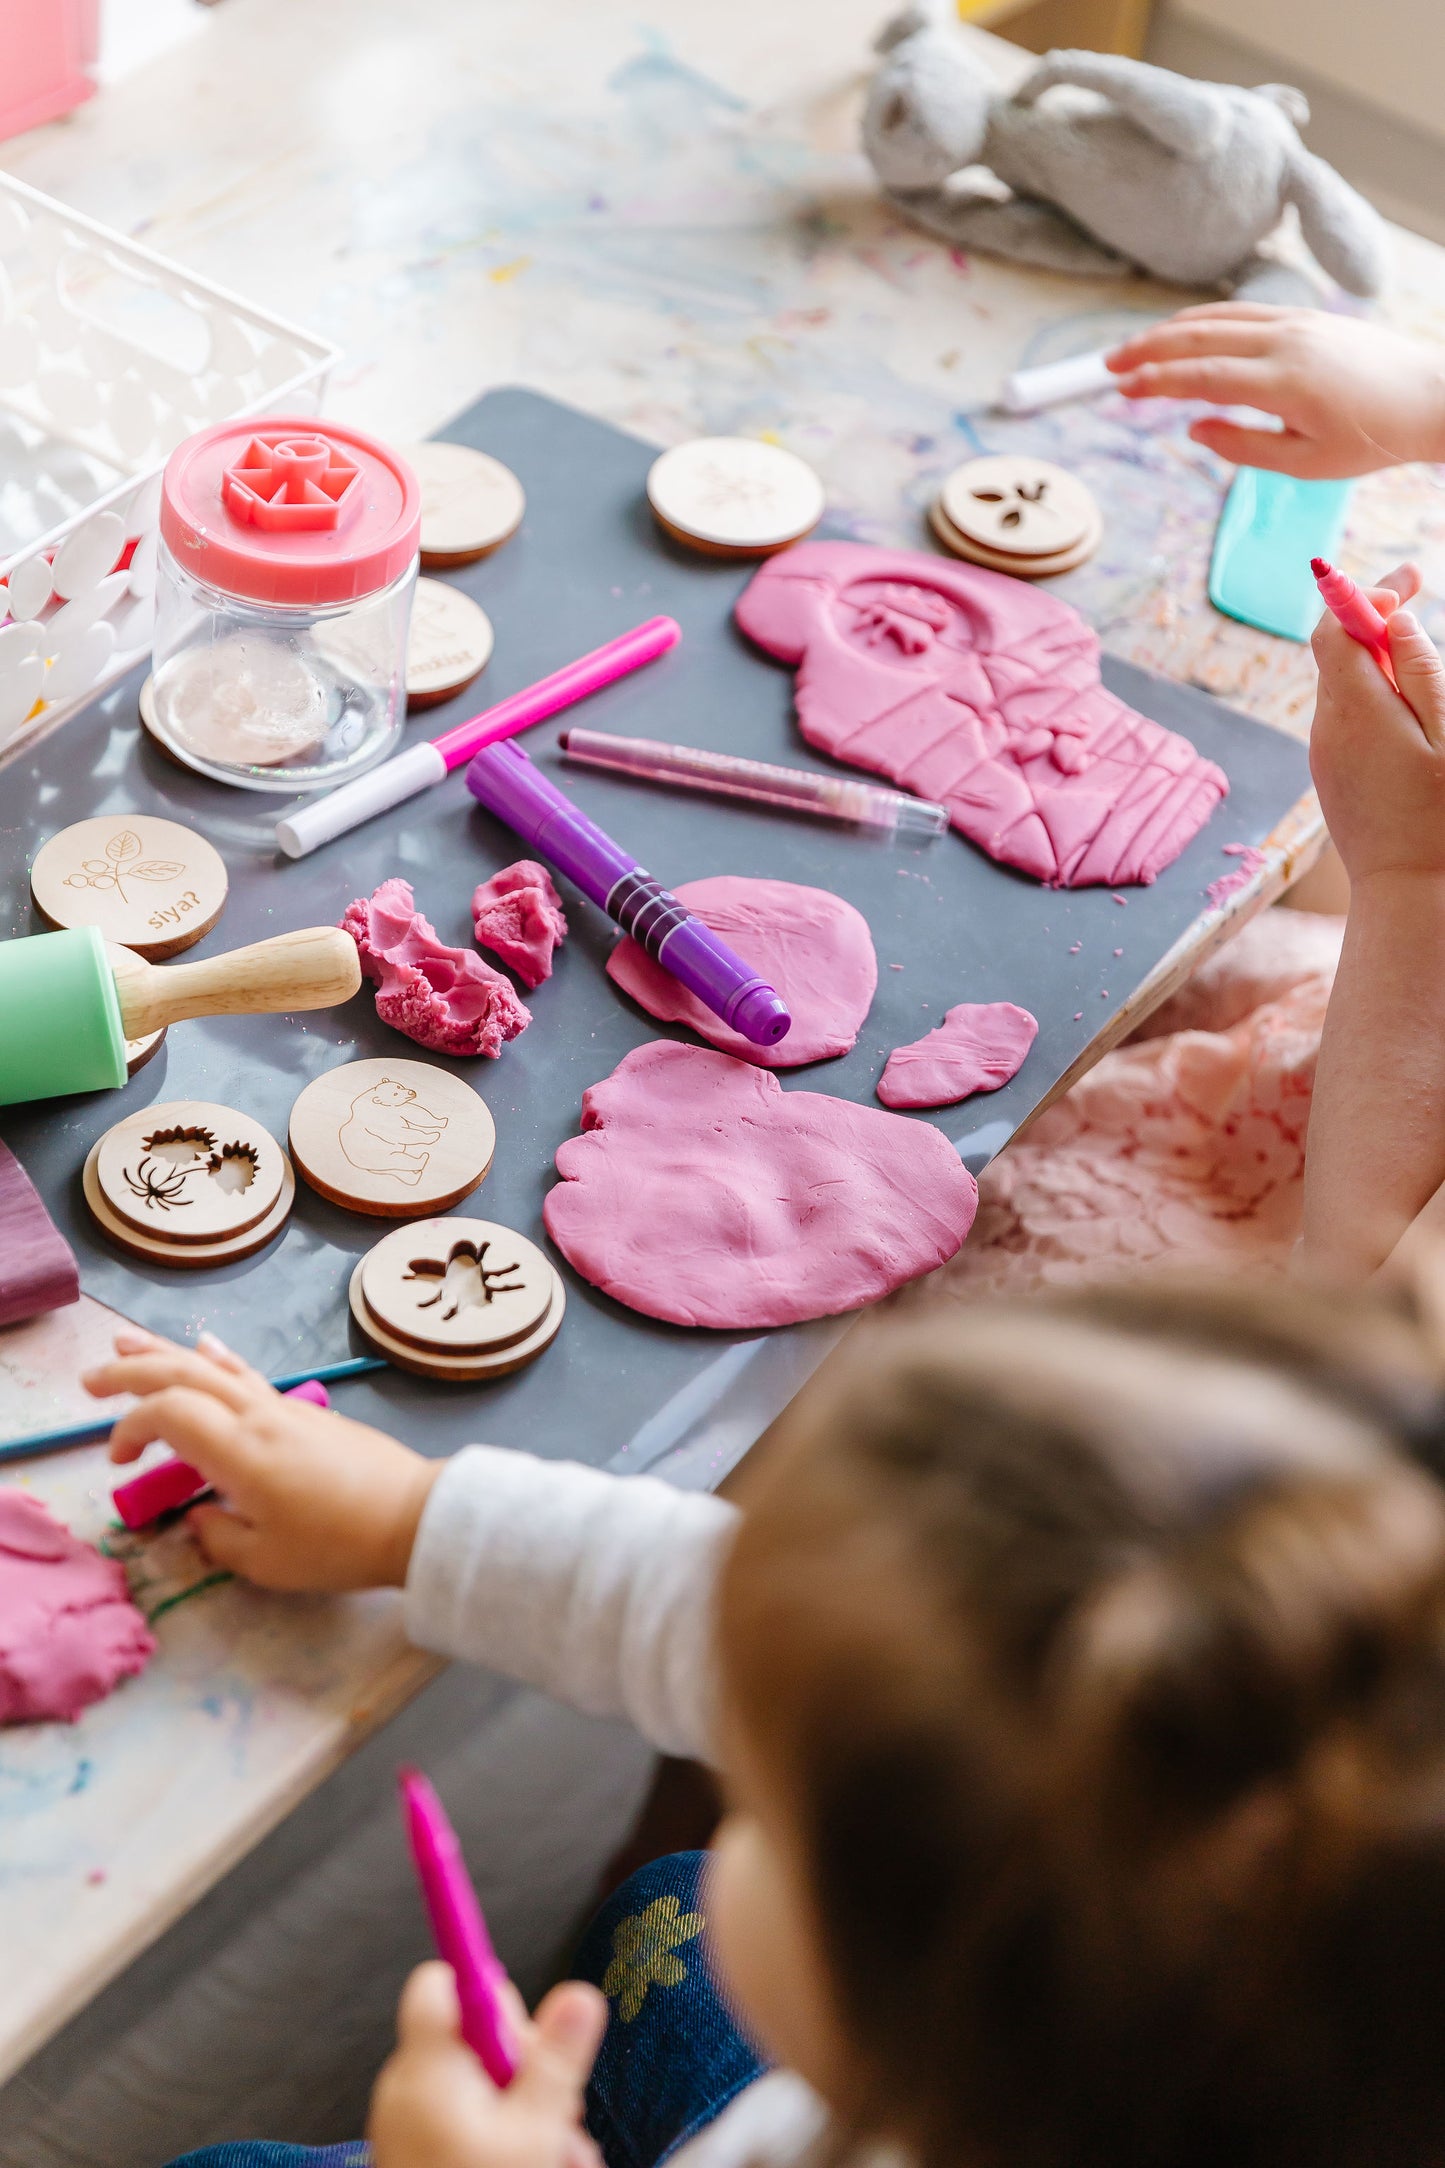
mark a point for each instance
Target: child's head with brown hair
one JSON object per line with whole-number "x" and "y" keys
{"x": 1084, "y": 1704}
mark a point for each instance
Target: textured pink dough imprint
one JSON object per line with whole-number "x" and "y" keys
{"x": 982, "y": 692}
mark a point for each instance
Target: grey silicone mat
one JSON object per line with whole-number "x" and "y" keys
{"x": 588, "y": 563}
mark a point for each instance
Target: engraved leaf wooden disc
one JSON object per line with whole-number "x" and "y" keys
{"x": 148, "y": 884}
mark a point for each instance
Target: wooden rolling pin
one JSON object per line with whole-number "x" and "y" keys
{"x": 68, "y": 1003}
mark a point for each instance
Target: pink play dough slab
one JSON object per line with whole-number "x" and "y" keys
{"x": 68, "y": 1629}
{"x": 518, "y": 914}
{"x": 37, "y": 1265}
{"x": 811, "y": 945}
{"x": 983, "y": 692}
{"x": 703, "y": 1193}
{"x": 446, "y": 999}
{"x": 978, "y": 1046}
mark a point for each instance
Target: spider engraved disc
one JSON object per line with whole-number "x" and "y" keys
{"x": 1014, "y": 506}
{"x": 184, "y": 1256}
{"x": 457, "y": 1286}
{"x": 188, "y": 1171}
{"x": 149, "y": 884}
{"x": 399, "y": 1139}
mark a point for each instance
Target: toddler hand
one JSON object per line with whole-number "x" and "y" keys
{"x": 1353, "y": 396}
{"x": 311, "y": 1501}
{"x": 435, "y": 2107}
{"x": 1378, "y": 756}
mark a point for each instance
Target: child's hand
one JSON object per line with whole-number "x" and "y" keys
{"x": 1353, "y": 396}
{"x": 311, "y": 1501}
{"x": 1378, "y": 756}
{"x": 435, "y": 2107}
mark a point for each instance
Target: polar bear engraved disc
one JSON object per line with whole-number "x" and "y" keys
{"x": 398, "y": 1139}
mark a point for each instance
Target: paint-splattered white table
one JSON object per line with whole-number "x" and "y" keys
{"x": 672, "y": 228}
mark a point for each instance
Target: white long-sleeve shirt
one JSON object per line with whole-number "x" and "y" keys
{"x": 602, "y": 1591}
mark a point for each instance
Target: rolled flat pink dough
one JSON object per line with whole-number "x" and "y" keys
{"x": 446, "y": 999}
{"x": 518, "y": 914}
{"x": 978, "y": 1046}
{"x": 703, "y": 1193}
{"x": 983, "y": 692}
{"x": 811, "y": 945}
{"x": 69, "y": 1632}
{"x": 37, "y": 1265}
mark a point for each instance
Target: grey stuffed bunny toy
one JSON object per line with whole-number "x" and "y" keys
{"x": 1124, "y": 165}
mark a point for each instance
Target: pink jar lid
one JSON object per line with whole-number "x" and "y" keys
{"x": 290, "y": 511}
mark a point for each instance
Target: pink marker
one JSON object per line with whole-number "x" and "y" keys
{"x": 1353, "y": 609}
{"x": 420, "y": 766}
{"x": 174, "y": 1482}
{"x": 458, "y": 1929}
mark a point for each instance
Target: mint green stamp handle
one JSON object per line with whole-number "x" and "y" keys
{"x": 60, "y": 1028}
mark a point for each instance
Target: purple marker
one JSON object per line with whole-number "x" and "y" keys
{"x": 506, "y": 782}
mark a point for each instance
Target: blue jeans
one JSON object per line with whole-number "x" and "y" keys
{"x": 672, "y": 2057}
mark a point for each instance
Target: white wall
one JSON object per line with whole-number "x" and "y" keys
{"x": 1391, "y": 52}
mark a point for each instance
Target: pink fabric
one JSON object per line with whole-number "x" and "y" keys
{"x": 446, "y": 999}
{"x": 518, "y": 914}
{"x": 69, "y": 1632}
{"x": 1183, "y": 1147}
{"x": 38, "y": 1270}
{"x": 982, "y": 692}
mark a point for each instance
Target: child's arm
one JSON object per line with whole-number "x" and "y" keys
{"x": 435, "y": 2107}
{"x": 595, "y": 1588}
{"x": 1353, "y": 396}
{"x": 1375, "y": 1154}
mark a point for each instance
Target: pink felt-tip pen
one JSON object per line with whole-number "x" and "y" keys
{"x": 458, "y": 1928}
{"x": 1353, "y": 609}
{"x": 420, "y": 766}
{"x": 173, "y": 1482}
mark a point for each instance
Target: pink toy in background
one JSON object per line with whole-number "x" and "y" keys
{"x": 48, "y": 48}
{"x": 174, "y": 1482}
{"x": 984, "y": 693}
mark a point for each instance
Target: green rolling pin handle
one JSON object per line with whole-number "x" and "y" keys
{"x": 68, "y": 1004}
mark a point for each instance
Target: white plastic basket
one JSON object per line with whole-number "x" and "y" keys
{"x": 109, "y": 357}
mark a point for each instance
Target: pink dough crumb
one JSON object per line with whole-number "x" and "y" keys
{"x": 1231, "y": 884}
{"x": 69, "y": 1632}
{"x": 446, "y": 999}
{"x": 977, "y": 1048}
{"x": 518, "y": 914}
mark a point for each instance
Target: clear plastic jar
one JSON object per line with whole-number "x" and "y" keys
{"x": 287, "y": 566}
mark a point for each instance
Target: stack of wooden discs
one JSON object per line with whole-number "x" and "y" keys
{"x": 397, "y": 1139}
{"x": 1017, "y": 514}
{"x": 734, "y": 497}
{"x": 462, "y": 1299}
{"x": 189, "y": 1184}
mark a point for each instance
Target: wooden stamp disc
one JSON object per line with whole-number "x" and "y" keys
{"x": 1020, "y": 568}
{"x": 259, "y": 717}
{"x": 186, "y": 1256}
{"x": 457, "y": 1286}
{"x": 189, "y": 1171}
{"x": 470, "y": 503}
{"x": 458, "y": 1369}
{"x": 732, "y": 496}
{"x": 1016, "y": 506}
{"x": 449, "y": 643}
{"x": 148, "y": 884}
{"x": 399, "y": 1139}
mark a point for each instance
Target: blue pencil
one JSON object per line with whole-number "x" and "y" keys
{"x": 96, "y": 1426}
